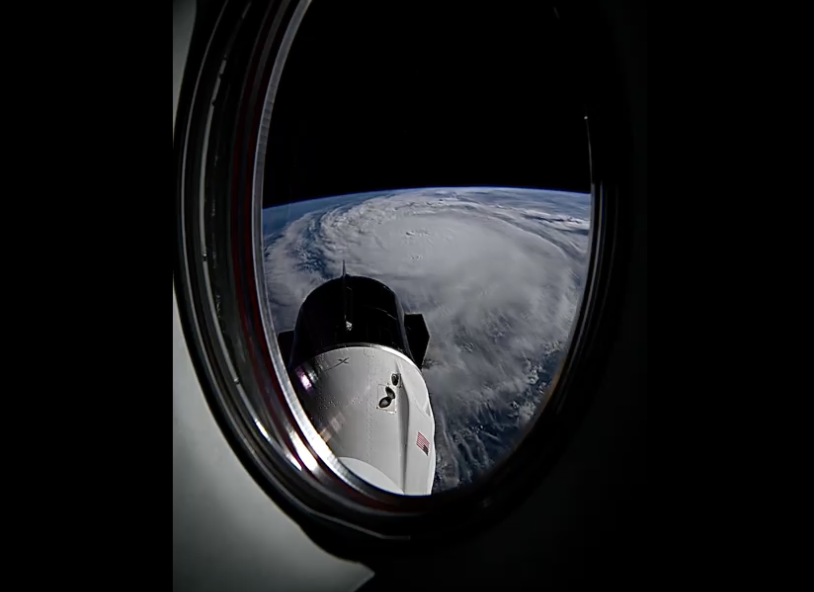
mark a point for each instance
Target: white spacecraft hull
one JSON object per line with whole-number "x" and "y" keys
{"x": 371, "y": 405}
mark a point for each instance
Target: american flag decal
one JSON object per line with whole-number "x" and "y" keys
{"x": 423, "y": 443}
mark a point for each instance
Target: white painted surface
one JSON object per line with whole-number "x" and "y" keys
{"x": 344, "y": 387}
{"x": 370, "y": 474}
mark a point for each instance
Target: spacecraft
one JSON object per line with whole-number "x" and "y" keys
{"x": 355, "y": 359}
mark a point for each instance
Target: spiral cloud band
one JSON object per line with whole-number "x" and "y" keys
{"x": 497, "y": 273}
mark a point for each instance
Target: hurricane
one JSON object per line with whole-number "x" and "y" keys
{"x": 498, "y": 274}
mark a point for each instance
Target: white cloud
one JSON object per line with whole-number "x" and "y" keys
{"x": 497, "y": 274}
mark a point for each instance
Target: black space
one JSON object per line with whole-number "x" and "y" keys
{"x": 382, "y": 95}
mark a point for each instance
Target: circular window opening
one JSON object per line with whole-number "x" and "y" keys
{"x": 412, "y": 235}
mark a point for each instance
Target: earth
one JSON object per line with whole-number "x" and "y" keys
{"x": 497, "y": 273}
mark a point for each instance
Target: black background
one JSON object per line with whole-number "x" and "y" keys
{"x": 381, "y": 95}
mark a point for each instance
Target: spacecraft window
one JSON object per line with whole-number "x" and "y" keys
{"x": 491, "y": 247}
{"x": 461, "y": 265}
